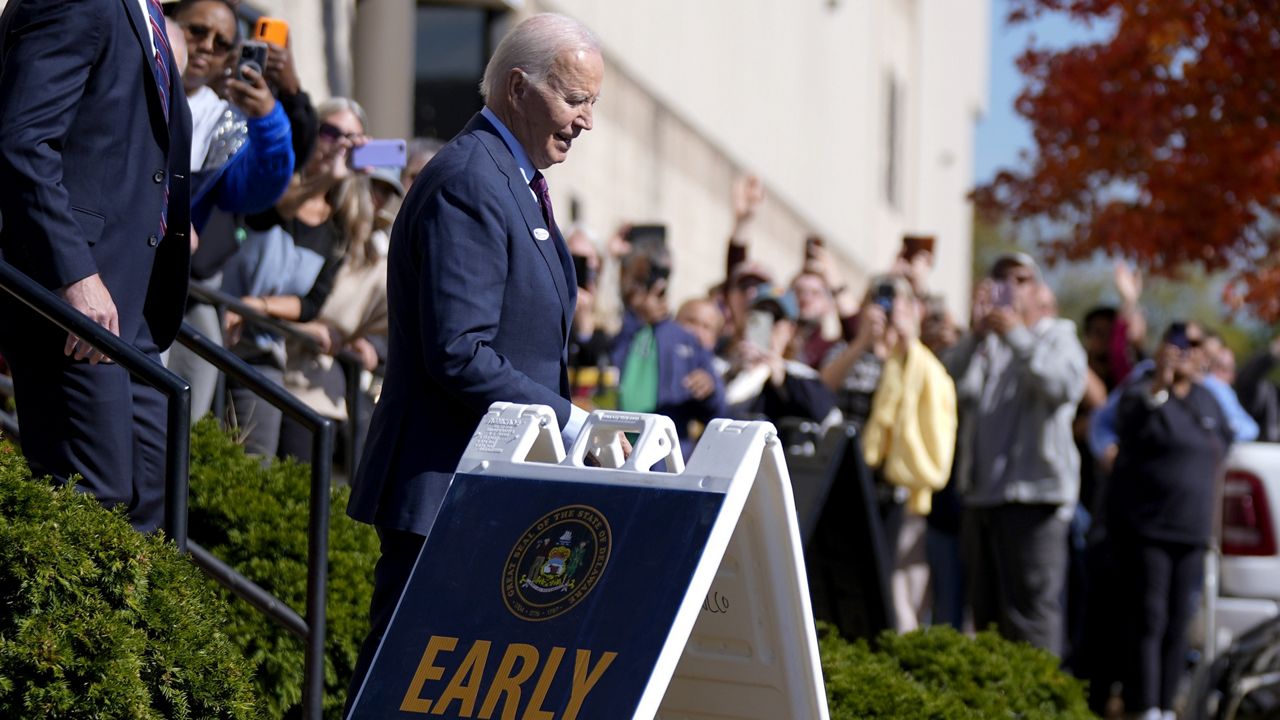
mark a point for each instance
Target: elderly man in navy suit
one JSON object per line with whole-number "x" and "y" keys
{"x": 94, "y": 146}
{"x": 481, "y": 291}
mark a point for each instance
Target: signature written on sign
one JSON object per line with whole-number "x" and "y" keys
{"x": 716, "y": 604}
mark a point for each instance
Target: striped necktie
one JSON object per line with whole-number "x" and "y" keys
{"x": 161, "y": 67}
{"x": 161, "y": 70}
{"x": 539, "y": 185}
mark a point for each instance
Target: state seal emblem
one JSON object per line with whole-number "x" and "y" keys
{"x": 556, "y": 563}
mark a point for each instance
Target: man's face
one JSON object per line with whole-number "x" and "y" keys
{"x": 1026, "y": 292}
{"x": 549, "y": 115}
{"x": 704, "y": 320}
{"x": 812, "y": 297}
{"x": 1097, "y": 338}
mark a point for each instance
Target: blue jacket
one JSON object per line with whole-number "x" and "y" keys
{"x": 254, "y": 178}
{"x": 480, "y": 311}
{"x": 679, "y": 353}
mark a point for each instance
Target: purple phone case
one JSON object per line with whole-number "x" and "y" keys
{"x": 379, "y": 153}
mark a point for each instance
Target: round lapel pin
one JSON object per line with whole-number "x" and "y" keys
{"x": 541, "y": 234}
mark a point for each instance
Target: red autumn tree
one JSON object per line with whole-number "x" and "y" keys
{"x": 1160, "y": 142}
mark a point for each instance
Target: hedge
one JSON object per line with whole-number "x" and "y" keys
{"x": 938, "y": 673}
{"x": 254, "y": 517}
{"x": 97, "y": 621}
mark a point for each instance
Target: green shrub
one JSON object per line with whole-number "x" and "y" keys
{"x": 939, "y": 673}
{"x": 255, "y": 519}
{"x": 97, "y": 621}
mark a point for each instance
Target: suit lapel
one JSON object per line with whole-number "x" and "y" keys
{"x": 523, "y": 198}
{"x": 143, "y": 35}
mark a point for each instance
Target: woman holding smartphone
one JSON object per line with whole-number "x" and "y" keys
{"x": 1173, "y": 439}
{"x": 289, "y": 265}
{"x": 241, "y": 146}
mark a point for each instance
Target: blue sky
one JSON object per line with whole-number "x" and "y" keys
{"x": 1002, "y": 133}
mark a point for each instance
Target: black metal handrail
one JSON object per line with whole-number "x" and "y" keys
{"x": 312, "y": 630}
{"x": 351, "y": 364}
{"x": 176, "y": 390}
{"x": 178, "y": 458}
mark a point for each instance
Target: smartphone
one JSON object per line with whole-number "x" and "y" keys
{"x": 759, "y": 330}
{"x": 379, "y": 153}
{"x": 1177, "y": 336}
{"x": 272, "y": 30}
{"x": 884, "y": 296}
{"x": 586, "y": 274}
{"x": 253, "y": 53}
{"x": 1002, "y": 294}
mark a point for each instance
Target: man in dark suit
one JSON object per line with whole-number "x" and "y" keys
{"x": 481, "y": 291}
{"x": 94, "y": 153}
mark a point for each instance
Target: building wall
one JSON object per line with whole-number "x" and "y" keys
{"x": 797, "y": 92}
{"x": 698, "y": 93}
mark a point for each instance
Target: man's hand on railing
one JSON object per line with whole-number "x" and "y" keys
{"x": 92, "y": 298}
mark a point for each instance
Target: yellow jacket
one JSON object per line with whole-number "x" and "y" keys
{"x": 911, "y": 433}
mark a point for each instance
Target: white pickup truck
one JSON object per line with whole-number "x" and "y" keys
{"x": 1248, "y": 578}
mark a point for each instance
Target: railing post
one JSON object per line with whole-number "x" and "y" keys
{"x": 177, "y": 467}
{"x": 318, "y": 569}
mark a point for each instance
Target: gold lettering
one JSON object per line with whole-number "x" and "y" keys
{"x": 464, "y": 686}
{"x": 508, "y": 681}
{"x": 585, "y": 678}
{"x": 427, "y": 670}
{"x": 534, "y": 710}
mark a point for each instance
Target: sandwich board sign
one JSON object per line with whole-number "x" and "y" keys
{"x": 550, "y": 590}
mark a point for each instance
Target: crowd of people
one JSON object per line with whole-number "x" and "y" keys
{"x": 1055, "y": 484}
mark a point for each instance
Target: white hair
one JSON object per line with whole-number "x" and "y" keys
{"x": 533, "y": 46}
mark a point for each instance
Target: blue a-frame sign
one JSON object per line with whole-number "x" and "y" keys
{"x": 548, "y": 590}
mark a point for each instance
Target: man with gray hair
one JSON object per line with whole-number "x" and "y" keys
{"x": 1019, "y": 376}
{"x": 481, "y": 292}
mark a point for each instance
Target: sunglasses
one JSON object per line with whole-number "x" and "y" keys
{"x": 333, "y": 133}
{"x": 199, "y": 33}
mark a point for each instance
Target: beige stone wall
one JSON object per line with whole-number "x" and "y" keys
{"x": 698, "y": 92}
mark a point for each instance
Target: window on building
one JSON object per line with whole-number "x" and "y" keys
{"x": 893, "y": 141}
{"x": 453, "y": 43}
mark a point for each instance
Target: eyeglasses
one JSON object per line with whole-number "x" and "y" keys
{"x": 199, "y": 33}
{"x": 333, "y": 133}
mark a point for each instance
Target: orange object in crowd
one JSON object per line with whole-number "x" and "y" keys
{"x": 272, "y": 30}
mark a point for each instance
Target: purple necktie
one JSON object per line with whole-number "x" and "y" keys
{"x": 161, "y": 70}
{"x": 539, "y": 185}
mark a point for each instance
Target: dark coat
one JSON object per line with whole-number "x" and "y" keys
{"x": 480, "y": 311}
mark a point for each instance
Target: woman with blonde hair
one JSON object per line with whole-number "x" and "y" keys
{"x": 289, "y": 265}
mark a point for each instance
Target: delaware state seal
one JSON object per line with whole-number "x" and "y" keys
{"x": 556, "y": 563}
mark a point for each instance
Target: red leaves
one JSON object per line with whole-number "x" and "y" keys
{"x": 1162, "y": 143}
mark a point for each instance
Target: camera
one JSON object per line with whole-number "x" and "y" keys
{"x": 253, "y": 53}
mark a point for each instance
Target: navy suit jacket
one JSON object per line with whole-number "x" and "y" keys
{"x": 85, "y": 154}
{"x": 480, "y": 311}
